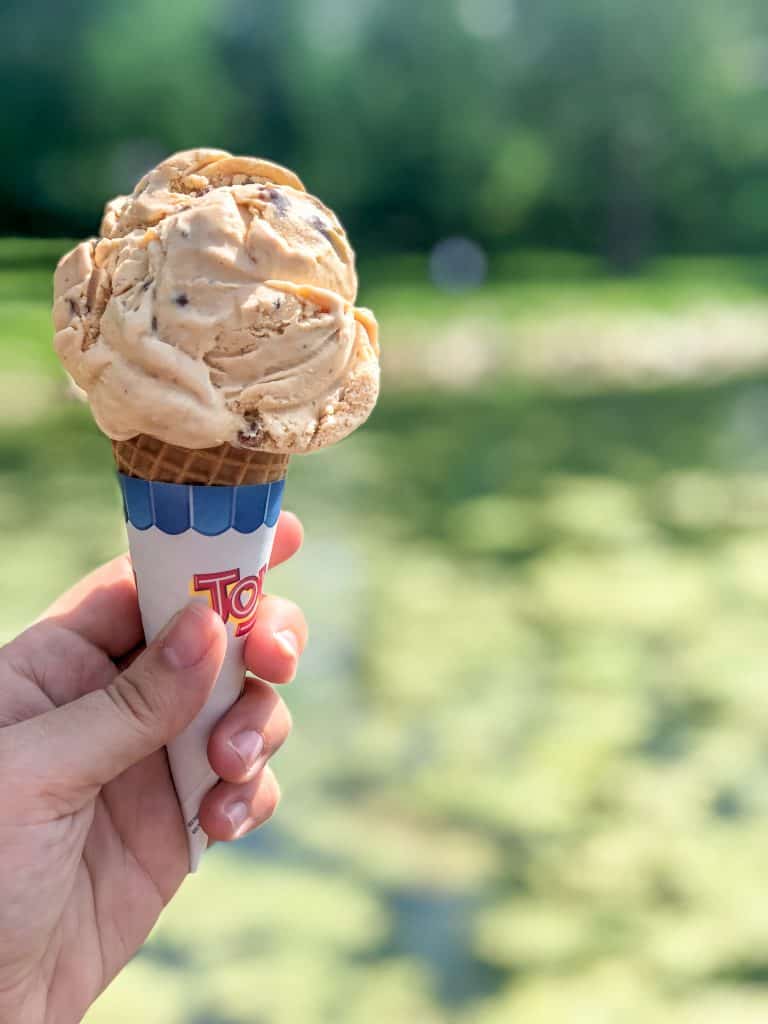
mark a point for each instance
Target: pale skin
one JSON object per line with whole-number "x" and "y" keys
{"x": 92, "y": 845}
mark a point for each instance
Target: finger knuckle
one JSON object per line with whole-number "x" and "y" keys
{"x": 133, "y": 700}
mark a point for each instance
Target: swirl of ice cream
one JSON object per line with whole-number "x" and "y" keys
{"x": 218, "y": 306}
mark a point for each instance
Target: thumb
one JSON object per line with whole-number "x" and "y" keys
{"x": 92, "y": 740}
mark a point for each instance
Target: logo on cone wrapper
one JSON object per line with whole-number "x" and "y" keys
{"x": 232, "y": 597}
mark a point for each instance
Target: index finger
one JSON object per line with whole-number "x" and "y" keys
{"x": 103, "y": 608}
{"x": 288, "y": 539}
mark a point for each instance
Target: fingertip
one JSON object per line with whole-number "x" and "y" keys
{"x": 194, "y": 638}
{"x": 288, "y": 539}
{"x": 226, "y": 756}
{"x": 271, "y": 657}
{"x": 289, "y": 521}
{"x": 215, "y": 630}
{"x": 214, "y": 822}
{"x": 211, "y": 620}
{"x": 285, "y": 655}
{"x": 229, "y": 811}
{"x": 277, "y": 640}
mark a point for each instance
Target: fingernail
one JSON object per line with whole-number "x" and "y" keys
{"x": 187, "y": 640}
{"x": 248, "y": 744}
{"x": 288, "y": 642}
{"x": 237, "y": 814}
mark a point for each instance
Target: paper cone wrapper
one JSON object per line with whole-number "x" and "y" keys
{"x": 212, "y": 543}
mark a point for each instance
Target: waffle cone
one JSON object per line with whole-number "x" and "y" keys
{"x": 149, "y": 459}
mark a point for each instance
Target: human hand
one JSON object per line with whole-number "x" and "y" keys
{"x": 92, "y": 843}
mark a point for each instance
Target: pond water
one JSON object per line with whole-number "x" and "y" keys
{"x": 528, "y": 776}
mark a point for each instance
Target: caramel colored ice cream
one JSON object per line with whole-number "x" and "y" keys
{"x": 218, "y": 306}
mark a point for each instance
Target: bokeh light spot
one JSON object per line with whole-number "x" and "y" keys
{"x": 457, "y": 264}
{"x": 486, "y": 18}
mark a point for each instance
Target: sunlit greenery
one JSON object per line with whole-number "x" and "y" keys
{"x": 620, "y": 128}
{"x": 528, "y": 779}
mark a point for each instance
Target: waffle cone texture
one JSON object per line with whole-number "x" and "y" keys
{"x": 149, "y": 459}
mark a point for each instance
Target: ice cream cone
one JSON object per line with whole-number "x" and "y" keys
{"x": 149, "y": 459}
{"x": 200, "y": 525}
{"x": 217, "y": 303}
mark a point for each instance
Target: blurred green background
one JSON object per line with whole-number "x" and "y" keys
{"x": 529, "y": 774}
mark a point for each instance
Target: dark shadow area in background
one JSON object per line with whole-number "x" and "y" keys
{"x": 433, "y": 926}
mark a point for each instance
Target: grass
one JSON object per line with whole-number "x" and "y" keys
{"x": 532, "y": 285}
{"x": 528, "y": 774}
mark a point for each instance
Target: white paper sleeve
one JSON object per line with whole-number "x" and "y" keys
{"x": 225, "y": 570}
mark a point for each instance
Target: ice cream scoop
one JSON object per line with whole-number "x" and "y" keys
{"x": 217, "y": 307}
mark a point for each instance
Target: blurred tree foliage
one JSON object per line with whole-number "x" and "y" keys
{"x": 608, "y": 125}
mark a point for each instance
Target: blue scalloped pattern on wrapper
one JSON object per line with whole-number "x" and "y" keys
{"x": 209, "y": 510}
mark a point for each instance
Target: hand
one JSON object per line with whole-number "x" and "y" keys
{"x": 92, "y": 844}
